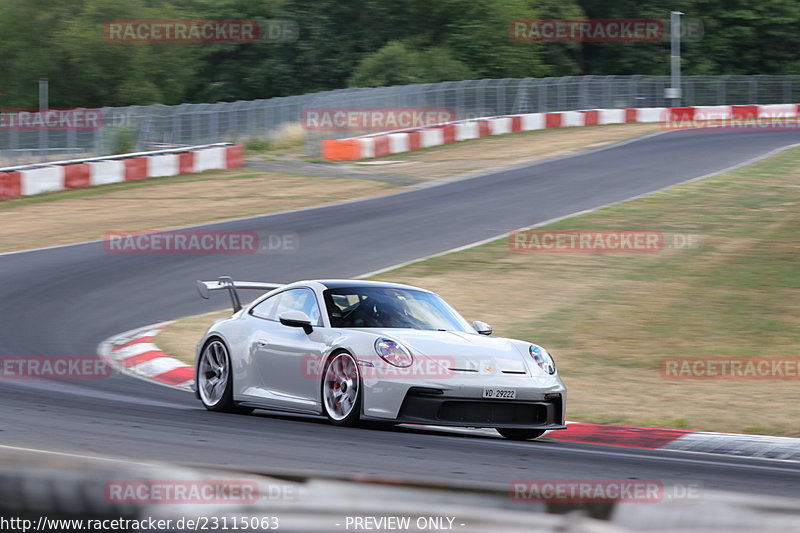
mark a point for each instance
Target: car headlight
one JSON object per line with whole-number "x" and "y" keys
{"x": 543, "y": 359}
{"x": 393, "y": 352}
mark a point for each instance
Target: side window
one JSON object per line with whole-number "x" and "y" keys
{"x": 298, "y": 300}
{"x": 266, "y": 309}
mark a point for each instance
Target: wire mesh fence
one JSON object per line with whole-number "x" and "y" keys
{"x": 135, "y": 128}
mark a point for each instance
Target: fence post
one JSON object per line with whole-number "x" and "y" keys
{"x": 195, "y": 123}
{"x": 787, "y": 89}
{"x": 543, "y": 102}
{"x": 583, "y": 92}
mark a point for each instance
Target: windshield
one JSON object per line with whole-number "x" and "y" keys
{"x": 385, "y": 307}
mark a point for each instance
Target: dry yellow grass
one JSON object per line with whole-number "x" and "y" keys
{"x": 171, "y": 202}
{"x": 85, "y": 214}
{"x": 288, "y": 135}
{"x": 179, "y": 338}
{"x": 611, "y": 318}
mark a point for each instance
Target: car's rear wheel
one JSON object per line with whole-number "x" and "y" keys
{"x": 520, "y": 434}
{"x": 215, "y": 379}
{"x": 341, "y": 390}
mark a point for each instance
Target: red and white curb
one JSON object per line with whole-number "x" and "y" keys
{"x": 134, "y": 353}
{"x": 26, "y": 180}
{"x": 398, "y": 141}
{"x": 646, "y": 438}
{"x": 783, "y": 448}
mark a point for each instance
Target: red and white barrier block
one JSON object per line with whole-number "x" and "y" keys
{"x": 377, "y": 145}
{"x": 58, "y": 176}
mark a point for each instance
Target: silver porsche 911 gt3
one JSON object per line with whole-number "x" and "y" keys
{"x": 357, "y": 351}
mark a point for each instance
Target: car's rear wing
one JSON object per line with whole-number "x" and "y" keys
{"x": 226, "y": 283}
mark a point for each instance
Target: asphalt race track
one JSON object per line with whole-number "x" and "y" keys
{"x": 65, "y": 300}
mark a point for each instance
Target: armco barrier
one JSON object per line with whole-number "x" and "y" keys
{"x": 209, "y": 159}
{"x": 777, "y": 110}
{"x": 44, "y": 179}
{"x": 135, "y": 168}
{"x": 76, "y": 175}
{"x": 163, "y": 165}
{"x": 105, "y": 172}
{"x": 35, "y": 179}
{"x": 186, "y": 163}
{"x": 10, "y": 184}
{"x": 234, "y": 156}
{"x": 393, "y": 142}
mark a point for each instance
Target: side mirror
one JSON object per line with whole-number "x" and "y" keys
{"x": 482, "y": 327}
{"x": 296, "y": 319}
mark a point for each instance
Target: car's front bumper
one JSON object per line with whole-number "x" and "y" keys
{"x": 422, "y": 406}
{"x": 539, "y": 403}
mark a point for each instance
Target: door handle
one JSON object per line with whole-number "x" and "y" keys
{"x": 262, "y": 344}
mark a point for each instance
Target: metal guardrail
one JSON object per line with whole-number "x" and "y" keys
{"x": 111, "y": 157}
{"x": 143, "y": 127}
{"x": 45, "y": 488}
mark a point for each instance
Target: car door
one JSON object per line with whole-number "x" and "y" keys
{"x": 285, "y": 358}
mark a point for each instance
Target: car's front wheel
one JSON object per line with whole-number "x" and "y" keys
{"x": 341, "y": 390}
{"x": 520, "y": 434}
{"x": 215, "y": 379}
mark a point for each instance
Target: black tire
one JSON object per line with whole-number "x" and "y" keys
{"x": 520, "y": 434}
{"x": 217, "y": 349}
{"x": 353, "y": 418}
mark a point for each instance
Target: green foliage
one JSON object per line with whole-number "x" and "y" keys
{"x": 562, "y": 59}
{"x": 740, "y": 37}
{"x": 255, "y": 146}
{"x": 359, "y": 42}
{"x": 397, "y": 64}
{"x": 477, "y": 33}
{"x": 120, "y": 139}
{"x": 747, "y": 37}
{"x": 65, "y": 43}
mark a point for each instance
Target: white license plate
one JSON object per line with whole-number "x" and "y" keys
{"x": 500, "y": 394}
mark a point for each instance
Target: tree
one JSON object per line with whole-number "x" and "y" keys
{"x": 65, "y": 43}
{"x": 561, "y": 59}
{"x": 476, "y": 33}
{"x": 397, "y": 64}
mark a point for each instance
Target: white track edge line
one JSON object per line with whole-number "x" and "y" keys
{"x": 435, "y": 183}
{"x": 108, "y": 342}
{"x": 737, "y": 166}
